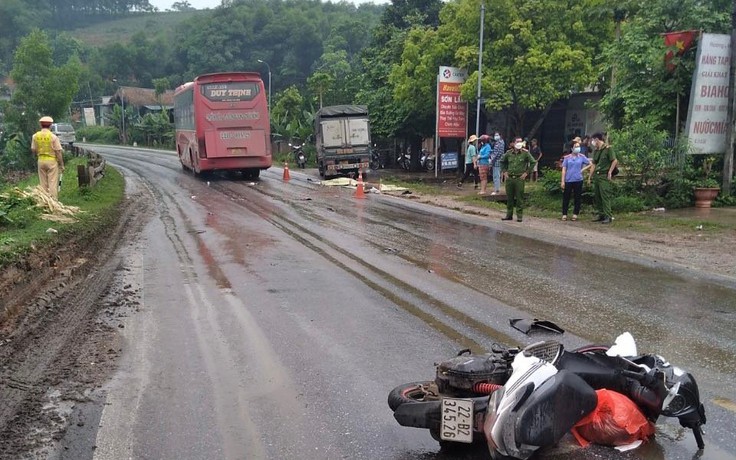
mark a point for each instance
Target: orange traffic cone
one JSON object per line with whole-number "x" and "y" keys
{"x": 287, "y": 176}
{"x": 360, "y": 190}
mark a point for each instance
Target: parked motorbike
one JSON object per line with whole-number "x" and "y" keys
{"x": 376, "y": 160}
{"x": 521, "y": 400}
{"x": 426, "y": 161}
{"x": 404, "y": 161}
{"x": 300, "y": 157}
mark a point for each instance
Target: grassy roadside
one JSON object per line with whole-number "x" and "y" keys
{"x": 541, "y": 204}
{"x": 29, "y": 233}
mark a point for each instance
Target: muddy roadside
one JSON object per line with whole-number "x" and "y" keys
{"x": 61, "y": 309}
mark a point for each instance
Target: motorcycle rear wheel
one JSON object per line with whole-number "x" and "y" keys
{"x": 415, "y": 392}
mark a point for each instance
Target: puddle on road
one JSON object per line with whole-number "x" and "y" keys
{"x": 689, "y": 319}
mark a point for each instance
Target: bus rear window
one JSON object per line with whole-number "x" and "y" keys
{"x": 234, "y": 91}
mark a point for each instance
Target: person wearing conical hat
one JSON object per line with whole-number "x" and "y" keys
{"x": 47, "y": 148}
{"x": 471, "y": 159}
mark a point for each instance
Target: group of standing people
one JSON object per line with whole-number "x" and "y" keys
{"x": 513, "y": 165}
{"x": 602, "y": 167}
{"x": 518, "y": 163}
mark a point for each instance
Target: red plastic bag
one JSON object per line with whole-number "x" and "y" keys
{"x": 615, "y": 421}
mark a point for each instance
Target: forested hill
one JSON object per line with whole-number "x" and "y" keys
{"x": 129, "y": 41}
{"x": 66, "y": 14}
{"x": 19, "y": 17}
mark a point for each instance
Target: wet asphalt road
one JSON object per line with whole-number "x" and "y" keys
{"x": 276, "y": 317}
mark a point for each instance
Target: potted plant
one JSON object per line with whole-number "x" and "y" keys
{"x": 706, "y": 187}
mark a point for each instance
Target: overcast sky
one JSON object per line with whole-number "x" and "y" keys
{"x": 164, "y": 5}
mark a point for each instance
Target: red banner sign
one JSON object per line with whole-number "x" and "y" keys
{"x": 452, "y": 111}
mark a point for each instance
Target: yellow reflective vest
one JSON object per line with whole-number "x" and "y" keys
{"x": 44, "y": 145}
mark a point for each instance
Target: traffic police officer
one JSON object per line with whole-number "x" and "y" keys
{"x": 516, "y": 165}
{"x": 47, "y": 147}
{"x": 604, "y": 162}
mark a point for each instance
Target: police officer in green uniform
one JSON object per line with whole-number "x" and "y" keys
{"x": 601, "y": 172}
{"x": 516, "y": 165}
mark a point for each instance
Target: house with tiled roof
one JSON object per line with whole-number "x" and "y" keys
{"x": 144, "y": 100}
{"x": 140, "y": 100}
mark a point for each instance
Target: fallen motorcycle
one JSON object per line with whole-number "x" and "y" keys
{"x": 521, "y": 400}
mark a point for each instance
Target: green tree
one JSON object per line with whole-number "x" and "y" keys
{"x": 122, "y": 121}
{"x": 160, "y": 85}
{"x": 182, "y": 6}
{"x": 536, "y": 52}
{"x": 320, "y": 83}
{"x": 17, "y": 19}
{"x": 391, "y": 116}
{"x": 289, "y": 113}
{"x": 41, "y": 88}
{"x": 414, "y": 80}
{"x": 154, "y": 129}
{"x": 644, "y": 89}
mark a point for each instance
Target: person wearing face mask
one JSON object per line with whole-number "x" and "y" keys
{"x": 601, "y": 174}
{"x": 516, "y": 165}
{"x": 499, "y": 147}
{"x": 572, "y": 180}
{"x": 484, "y": 162}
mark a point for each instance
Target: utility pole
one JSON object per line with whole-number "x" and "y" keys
{"x": 122, "y": 108}
{"x": 728, "y": 159}
{"x": 269, "y": 83}
{"x": 480, "y": 63}
{"x": 122, "y": 105}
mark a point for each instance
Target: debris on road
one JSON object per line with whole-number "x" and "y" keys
{"x": 54, "y": 210}
{"x": 340, "y": 182}
{"x": 352, "y": 183}
{"x": 616, "y": 421}
{"x": 526, "y": 326}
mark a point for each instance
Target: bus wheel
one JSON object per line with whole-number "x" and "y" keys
{"x": 251, "y": 174}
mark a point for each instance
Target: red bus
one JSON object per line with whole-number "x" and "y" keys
{"x": 222, "y": 124}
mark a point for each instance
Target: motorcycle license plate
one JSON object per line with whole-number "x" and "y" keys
{"x": 457, "y": 420}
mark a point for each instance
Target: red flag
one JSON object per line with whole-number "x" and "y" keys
{"x": 681, "y": 41}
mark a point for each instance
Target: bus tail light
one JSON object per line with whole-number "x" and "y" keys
{"x": 202, "y": 148}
